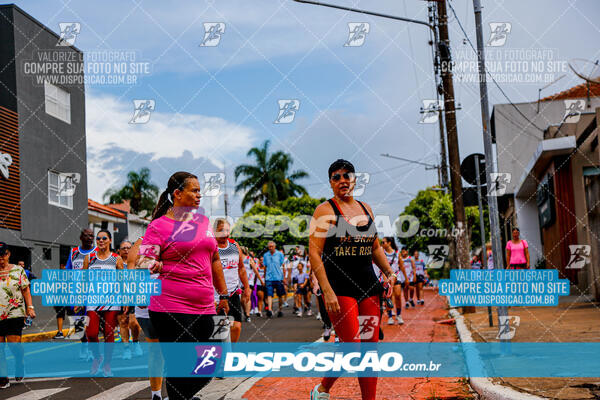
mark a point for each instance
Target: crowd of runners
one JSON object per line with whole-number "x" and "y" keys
{"x": 347, "y": 272}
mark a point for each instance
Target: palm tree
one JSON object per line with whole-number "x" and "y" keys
{"x": 269, "y": 179}
{"x": 138, "y": 189}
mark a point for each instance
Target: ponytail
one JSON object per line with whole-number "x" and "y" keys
{"x": 392, "y": 242}
{"x": 177, "y": 181}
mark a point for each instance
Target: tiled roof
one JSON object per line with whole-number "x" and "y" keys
{"x": 576, "y": 92}
{"x": 95, "y": 206}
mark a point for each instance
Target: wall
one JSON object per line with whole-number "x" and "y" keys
{"x": 47, "y": 143}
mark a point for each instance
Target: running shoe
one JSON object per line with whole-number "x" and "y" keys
{"x": 269, "y": 314}
{"x": 407, "y": 305}
{"x": 84, "y": 352}
{"x": 299, "y": 314}
{"x": 156, "y": 397}
{"x": 106, "y": 372}
{"x": 248, "y": 319}
{"x": 18, "y": 379}
{"x": 309, "y": 312}
{"x": 412, "y": 303}
{"x": 59, "y": 335}
{"x": 127, "y": 354}
{"x": 337, "y": 339}
{"x": 318, "y": 316}
{"x": 4, "y": 383}
{"x": 259, "y": 314}
{"x": 137, "y": 349}
{"x": 421, "y": 302}
{"x": 391, "y": 321}
{"x": 326, "y": 334}
{"x": 285, "y": 304}
{"x": 279, "y": 314}
{"x": 96, "y": 365}
{"x": 316, "y": 395}
{"x": 400, "y": 320}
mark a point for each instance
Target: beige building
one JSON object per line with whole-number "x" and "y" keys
{"x": 554, "y": 191}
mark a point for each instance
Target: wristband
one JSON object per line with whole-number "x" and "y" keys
{"x": 223, "y": 297}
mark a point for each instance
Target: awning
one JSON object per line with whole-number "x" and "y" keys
{"x": 546, "y": 150}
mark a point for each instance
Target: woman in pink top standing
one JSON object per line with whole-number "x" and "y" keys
{"x": 517, "y": 252}
{"x": 180, "y": 246}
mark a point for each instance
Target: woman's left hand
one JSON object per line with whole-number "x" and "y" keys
{"x": 31, "y": 312}
{"x": 389, "y": 281}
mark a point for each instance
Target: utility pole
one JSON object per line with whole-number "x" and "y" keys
{"x": 489, "y": 154}
{"x": 432, "y": 11}
{"x": 462, "y": 245}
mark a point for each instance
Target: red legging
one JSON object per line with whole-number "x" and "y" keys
{"x": 346, "y": 327}
{"x": 92, "y": 330}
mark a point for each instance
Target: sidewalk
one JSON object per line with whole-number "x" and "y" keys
{"x": 419, "y": 326}
{"x": 572, "y": 321}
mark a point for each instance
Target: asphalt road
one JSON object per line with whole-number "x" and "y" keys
{"x": 286, "y": 329}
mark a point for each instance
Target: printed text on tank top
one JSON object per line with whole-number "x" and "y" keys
{"x": 347, "y": 256}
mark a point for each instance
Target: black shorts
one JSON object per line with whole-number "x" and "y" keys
{"x": 413, "y": 283}
{"x": 261, "y": 288}
{"x": 302, "y": 291}
{"x": 148, "y": 328}
{"x": 235, "y": 307}
{"x": 61, "y": 311}
{"x": 420, "y": 278}
{"x": 12, "y": 326}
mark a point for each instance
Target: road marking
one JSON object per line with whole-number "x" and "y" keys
{"x": 122, "y": 391}
{"x": 37, "y": 394}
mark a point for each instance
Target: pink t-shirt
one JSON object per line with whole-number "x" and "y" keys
{"x": 517, "y": 252}
{"x": 186, "y": 249}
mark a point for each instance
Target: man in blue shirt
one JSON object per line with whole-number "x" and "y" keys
{"x": 273, "y": 261}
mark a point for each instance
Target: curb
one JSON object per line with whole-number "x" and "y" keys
{"x": 41, "y": 336}
{"x": 484, "y": 386}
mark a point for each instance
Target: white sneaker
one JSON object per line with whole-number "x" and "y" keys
{"x": 391, "y": 321}
{"x": 309, "y": 313}
{"x": 299, "y": 314}
{"x": 316, "y": 395}
{"x": 319, "y": 316}
{"x": 127, "y": 354}
{"x": 400, "y": 320}
{"x": 137, "y": 349}
{"x": 326, "y": 334}
{"x": 285, "y": 304}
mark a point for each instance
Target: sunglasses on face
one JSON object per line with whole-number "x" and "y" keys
{"x": 347, "y": 176}
{"x": 101, "y": 237}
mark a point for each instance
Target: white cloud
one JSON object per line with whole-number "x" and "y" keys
{"x": 115, "y": 146}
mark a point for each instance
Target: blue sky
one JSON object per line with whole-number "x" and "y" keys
{"x": 214, "y": 103}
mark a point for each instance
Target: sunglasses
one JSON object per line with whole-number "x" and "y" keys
{"x": 347, "y": 175}
{"x": 101, "y": 237}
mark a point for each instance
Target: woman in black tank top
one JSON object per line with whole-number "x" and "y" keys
{"x": 343, "y": 244}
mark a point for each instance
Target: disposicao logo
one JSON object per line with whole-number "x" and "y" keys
{"x": 208, "y": 357}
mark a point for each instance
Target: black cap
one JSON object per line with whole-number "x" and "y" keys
{"x": 3, "y": 248}
{"x": 340, "y": 164}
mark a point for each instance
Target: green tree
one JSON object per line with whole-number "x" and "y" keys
{"x": 285, "y": 223}
{"x": 269, "y": 179}
{"x": 419, "y": 208}
{"x": 138, "y": 189}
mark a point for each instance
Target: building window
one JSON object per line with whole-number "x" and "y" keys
{"x": 47, "y": 252}
{"x": 58, "y": 102}
{"x": 58, "y": 193}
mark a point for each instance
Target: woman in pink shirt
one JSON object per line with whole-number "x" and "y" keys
{"x": 517, "y": 252}
{"x": 179, "y": 245}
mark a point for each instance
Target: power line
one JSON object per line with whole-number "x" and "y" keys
{"x": 488, "y": 73}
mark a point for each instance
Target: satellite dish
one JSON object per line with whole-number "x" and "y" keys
{"x": 587, "y": 70}
{"x": 142, "y": 213}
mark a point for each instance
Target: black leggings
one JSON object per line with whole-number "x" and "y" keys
{"x": 175, "y": 327}
{"x": 323, "y": 311}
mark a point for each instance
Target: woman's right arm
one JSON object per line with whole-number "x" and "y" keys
{"x": 507, "y": 257}
{"x": 319, "y": 225}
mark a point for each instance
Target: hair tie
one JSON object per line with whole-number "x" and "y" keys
{"x": 169, "y": 198}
